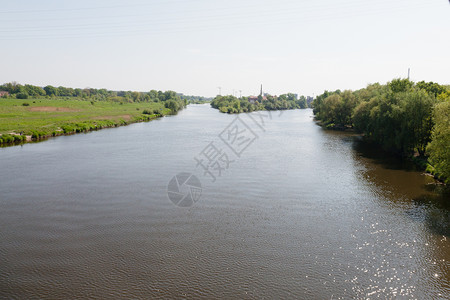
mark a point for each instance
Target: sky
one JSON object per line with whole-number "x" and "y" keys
{"x": 201, "y": 47}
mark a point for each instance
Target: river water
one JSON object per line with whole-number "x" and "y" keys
{"x": 294, "y": 212}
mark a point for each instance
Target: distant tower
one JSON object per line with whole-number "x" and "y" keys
{"x": 260, "y": 93}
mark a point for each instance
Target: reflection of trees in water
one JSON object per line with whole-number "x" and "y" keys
{"x": 434, "y": 209}
{"x": 381, "y": 157}
{"x": 402, "y": 183}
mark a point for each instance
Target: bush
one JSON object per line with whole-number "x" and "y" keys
{"x": 147, "y": 112}
{"x": 25, "y": 104}
{"x": 37, "y": 134}
{"x": 22, "y": 96}
{"x": 12, "y": 138}
{"x": 7, "y": 138}
{"x": 68, "y": 128}
{"x": 21, "y": 138}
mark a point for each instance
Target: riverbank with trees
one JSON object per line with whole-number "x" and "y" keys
{"x": 407, "y": 118}
{"x": 233, "y": 105}
{"x": 30, "y": 113}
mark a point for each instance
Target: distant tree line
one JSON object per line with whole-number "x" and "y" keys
{"x": 171, "y": 99}
{"x": 195, "y": 99}
{"x": 232, "y": 105}
{"x": 402, "y": 116}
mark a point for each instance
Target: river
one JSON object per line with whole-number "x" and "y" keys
{"x": 294, "y": 211}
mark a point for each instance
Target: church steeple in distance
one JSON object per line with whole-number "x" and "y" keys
{"x": 260, "y": 93}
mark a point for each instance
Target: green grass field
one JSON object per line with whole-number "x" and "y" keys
{"x": 46, "y": 117}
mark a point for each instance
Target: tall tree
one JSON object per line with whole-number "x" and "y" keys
{"x": 439, "y": 148}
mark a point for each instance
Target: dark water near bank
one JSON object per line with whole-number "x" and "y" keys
{"x": 302, "y": 213}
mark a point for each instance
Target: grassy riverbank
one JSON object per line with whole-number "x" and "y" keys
{"x": 24, "y": 120}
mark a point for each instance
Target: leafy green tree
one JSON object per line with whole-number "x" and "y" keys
{"x": 153, "y": 95}
{"x": 346, "y": 108}
{"x": 66, "y": 92}
{"x": 11, "y": 87}
{"x": 33, "y": 91}
{"x": 223, "y": 101}
{"x": 439, "y": 147}
{"x": 135, "y": 96}
{"x": 398, "y": 118}
{"x": 431, "y": 88}
{"x": 417, "y": 121}
{"x": 290, "y": 97}
{"x": 336, "y": 110}
{"x": 400, "y": 85}
{"x": 384, "y": 121}
{"x": 86, "y": 93}
{"x": 51, "y": 90}
{"x": 172, "y": 105}
{"x": 362, "y": 117}
{"x": 168, "y": 95}
{"x": 317, "y": 103}
{"x": 330, "y": 111}
{"x": 302, "y": 103}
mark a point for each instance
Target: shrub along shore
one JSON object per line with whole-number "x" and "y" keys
{"x": 407, "y": 118}
{"x": 29, "y": 113}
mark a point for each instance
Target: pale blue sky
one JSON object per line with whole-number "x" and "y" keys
{"x": 195, "y": 46}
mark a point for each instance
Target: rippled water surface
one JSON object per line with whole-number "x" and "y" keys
{"x": 301, "y": 213}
